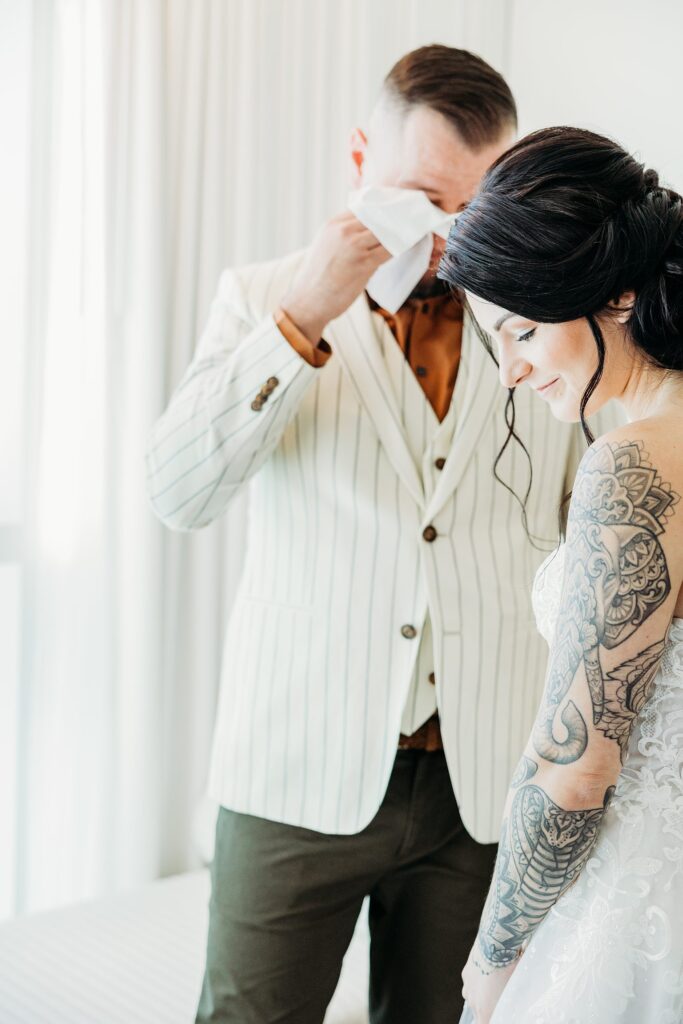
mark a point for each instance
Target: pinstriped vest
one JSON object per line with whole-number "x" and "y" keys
{"x": 428, "y": 440}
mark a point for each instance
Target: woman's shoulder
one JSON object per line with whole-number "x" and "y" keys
{"x": 633, "y": 476}
{"x": 647, "y": 448}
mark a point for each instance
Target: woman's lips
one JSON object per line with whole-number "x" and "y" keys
{"x": 546, "y": 387}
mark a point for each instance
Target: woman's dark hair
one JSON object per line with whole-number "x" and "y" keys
{"x": 564, "y": 224}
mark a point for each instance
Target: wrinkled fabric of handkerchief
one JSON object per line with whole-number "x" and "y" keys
{"x": 403, "y": 220}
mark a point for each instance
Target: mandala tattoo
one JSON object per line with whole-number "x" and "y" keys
{"x": 616, "y": 576}
{"x": 542, "y": 850}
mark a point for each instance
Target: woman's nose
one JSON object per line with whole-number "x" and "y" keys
{"x": 513, "y": 369}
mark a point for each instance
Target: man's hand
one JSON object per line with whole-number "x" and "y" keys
{"x": 341, "y": 260}
{"x": 483, "y": 990}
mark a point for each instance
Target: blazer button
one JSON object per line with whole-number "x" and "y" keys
{"x": 271, "y": 384}
{"x": 439, "y": 463}
{"x": 432, "y": 678}
{"x": 257, "y": 404}
{"x": 429, "y": 533}
{"x": 409, "y": 632}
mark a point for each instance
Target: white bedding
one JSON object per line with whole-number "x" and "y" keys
{"x": 133, "y": 959}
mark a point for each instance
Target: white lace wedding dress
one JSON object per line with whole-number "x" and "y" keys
{"x": 611, "y": 949}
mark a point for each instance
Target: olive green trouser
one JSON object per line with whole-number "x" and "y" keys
{"x": 285, "y": 901}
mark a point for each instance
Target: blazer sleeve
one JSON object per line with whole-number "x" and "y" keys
{"x": 227, "y": 415}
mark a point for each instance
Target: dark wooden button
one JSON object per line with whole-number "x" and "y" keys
{"x": 409, "y": 632}
{"x": 439, "y": 463}
{"x": 432, "y": 678}
{"x": 429, "y": 533}
{"x": 257, "y": 404}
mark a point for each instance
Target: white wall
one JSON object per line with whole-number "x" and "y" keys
{"x": 613, "y": 66}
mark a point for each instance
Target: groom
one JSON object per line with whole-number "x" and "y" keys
{"x": 381, "y": 663}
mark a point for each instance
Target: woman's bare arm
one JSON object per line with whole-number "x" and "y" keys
{"x": 621, "y": 577}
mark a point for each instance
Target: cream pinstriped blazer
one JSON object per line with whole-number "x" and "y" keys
{"x": 318, "y": 659}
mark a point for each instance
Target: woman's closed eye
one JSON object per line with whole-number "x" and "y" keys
{"x": 526, "y": 335}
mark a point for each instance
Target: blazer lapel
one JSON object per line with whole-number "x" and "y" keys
{"x": 354, "y": 339}
{"x": 480, "y": 396}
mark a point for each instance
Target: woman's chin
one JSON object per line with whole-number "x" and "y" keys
{"x": 564, "y": 410}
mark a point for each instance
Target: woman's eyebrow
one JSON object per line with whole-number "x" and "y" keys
{"x": 499, "y": 323}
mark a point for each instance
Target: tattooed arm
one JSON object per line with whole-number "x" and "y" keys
{"x": 616, "y": 606}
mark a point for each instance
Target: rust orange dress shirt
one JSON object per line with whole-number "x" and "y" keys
{"x": 429, "y": 332}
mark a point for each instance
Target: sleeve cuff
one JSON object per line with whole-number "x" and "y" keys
{"x": 314, "y": 354}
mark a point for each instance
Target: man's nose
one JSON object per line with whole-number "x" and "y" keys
{"x": 512, "y": 369}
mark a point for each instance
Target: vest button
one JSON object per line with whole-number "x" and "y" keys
{"x": 432, "y": 678}
{"x": 429, "y": 533}
{"x": 440, "y": 463}
{"x": 409, "y": 632}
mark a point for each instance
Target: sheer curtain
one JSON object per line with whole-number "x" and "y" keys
{"x": 91, "y": 714}
{"x": 109, "y": 753}
{"x": 168, "y": 139}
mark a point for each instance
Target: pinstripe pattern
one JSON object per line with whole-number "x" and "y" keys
{"x": 428, "y": 439}
{"x": 317, "y": 676}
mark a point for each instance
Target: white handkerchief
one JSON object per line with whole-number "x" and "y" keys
{"x": 404, "y": 220}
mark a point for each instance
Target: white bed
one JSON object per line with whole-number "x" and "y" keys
{"x": 133, "y": 959}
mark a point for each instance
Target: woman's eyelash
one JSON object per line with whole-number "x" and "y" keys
{"x": 526, "y": 335}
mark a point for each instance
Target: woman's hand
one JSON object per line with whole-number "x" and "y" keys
{"x": 483, "y": 985}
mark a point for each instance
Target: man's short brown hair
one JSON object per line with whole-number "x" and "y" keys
{"x": 464, "y": 88}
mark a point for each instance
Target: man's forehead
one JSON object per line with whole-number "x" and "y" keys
{"x": 438, "y": 161}
{"x": 427, "y": 136}
{"x": 435, "y": 169}
{"x": 425, "y": 182}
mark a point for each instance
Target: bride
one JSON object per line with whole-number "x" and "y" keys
{"x": 571, "y": 257}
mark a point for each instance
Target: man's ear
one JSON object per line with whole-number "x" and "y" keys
{"x": 358, "y": 144}
{"x": 623, "y": 306}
